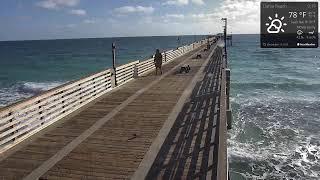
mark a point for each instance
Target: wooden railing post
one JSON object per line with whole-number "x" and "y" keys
{"x": 80, "y": 94}
{"x": 113, "y": 78}
{"x": 165, "y": 56}
{"x": 135, "y": 71}
{"x": 12, "y": 125}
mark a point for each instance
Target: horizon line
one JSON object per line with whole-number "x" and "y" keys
{"x": 49, "y": 39}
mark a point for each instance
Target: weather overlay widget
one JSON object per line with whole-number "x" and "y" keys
{"x": 289, "y": 25}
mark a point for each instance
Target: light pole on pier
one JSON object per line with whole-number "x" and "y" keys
{"x": 114, "y": 63}
{"x": 225, "y": 35}
{"x": 178, "y": 41}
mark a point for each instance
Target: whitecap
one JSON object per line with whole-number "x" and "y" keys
{"x": 22, "y": 90}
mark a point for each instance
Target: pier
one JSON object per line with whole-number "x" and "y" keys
{"x": 126, "y": 122}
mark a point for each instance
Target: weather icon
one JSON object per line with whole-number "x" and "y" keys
{"x": 276, "y": 24}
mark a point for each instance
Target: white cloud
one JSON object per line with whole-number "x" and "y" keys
{"x": 183, "y": 2}
{"x": 204, "y": 17}
{"x": 134, "y": 9}
{"x": 174, "y": 16}
{"x": 198, "y": 2}
{"x": 55, "y": 4}
{"x": 243, "y": 15}
{"x": 78, "y": 12}
{"x": 176, "y": 2}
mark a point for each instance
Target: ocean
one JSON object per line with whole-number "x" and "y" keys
{"x": 275, "y": 94}
{"x": 276, "y": 111}
{"x": 28, "y": 68}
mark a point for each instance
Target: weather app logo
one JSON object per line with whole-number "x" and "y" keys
{"x": 276, "y": 25}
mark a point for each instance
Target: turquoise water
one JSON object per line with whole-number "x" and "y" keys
{"x": 30, "y": 67}
{"x": 276, "y": 108}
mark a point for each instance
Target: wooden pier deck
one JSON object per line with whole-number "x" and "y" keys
{"x": 127, "y": 132}
{"x": 190, "y": 150}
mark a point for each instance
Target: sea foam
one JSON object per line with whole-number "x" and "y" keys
{"x": 22, "y": 90}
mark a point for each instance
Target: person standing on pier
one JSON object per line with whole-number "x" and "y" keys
{"x": 158, "y": 61}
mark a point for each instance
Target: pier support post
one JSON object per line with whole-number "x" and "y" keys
{"x": 229, "y": 111}
{"x": 229, "y": 119}
{"x": 228, "y": 87}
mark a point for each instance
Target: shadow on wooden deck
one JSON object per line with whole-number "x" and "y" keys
{"x": 190, "y": 150}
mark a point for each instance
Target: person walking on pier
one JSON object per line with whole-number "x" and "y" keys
{"x": 158, "y": 61}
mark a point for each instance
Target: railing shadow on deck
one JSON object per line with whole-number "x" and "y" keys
{"x": 190, "y": 149}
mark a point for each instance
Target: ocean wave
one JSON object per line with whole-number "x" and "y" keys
{"x": 275, "y": 137}
{"x": 299, "y": 162}
{"x": 36, "y": 87}
{"x": 290, "y": 86}
{"x": 22, "y": 90}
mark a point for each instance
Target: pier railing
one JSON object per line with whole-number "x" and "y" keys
{"x": 24, "y": 119}
{"x": 222, "y": 163}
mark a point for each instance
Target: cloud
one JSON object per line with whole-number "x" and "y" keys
{"x": 78, "y": 12}
{"x": 204, "y": 17}
{"x": 183, "y": 2}
{"x": 134, "y": 9}
{"x": 243, "y": 15}
{"x": 177, "y": 2}
{"x": 198, "y": 2}
{"x": 174, "y": 16}
{"x": 90, "y": 21}
{"x": 56, "y": 4}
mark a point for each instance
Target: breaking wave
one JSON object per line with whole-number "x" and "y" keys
{"x": 22, "y": 90}
{"x": 275, "y": 137}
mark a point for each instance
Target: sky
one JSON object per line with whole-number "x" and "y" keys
{"x": 59, "y": 19}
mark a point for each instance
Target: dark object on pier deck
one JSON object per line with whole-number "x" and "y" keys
{"x": 185, "y": 68}
{"x": 198, "y": 56}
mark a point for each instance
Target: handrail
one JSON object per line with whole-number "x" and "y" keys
{"x": 23, "y": 119}
{"x": 222, "y": 167}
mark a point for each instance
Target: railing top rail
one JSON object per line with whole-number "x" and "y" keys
{"x": 127, "y": 65}
{"x": 222, "y": 171}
